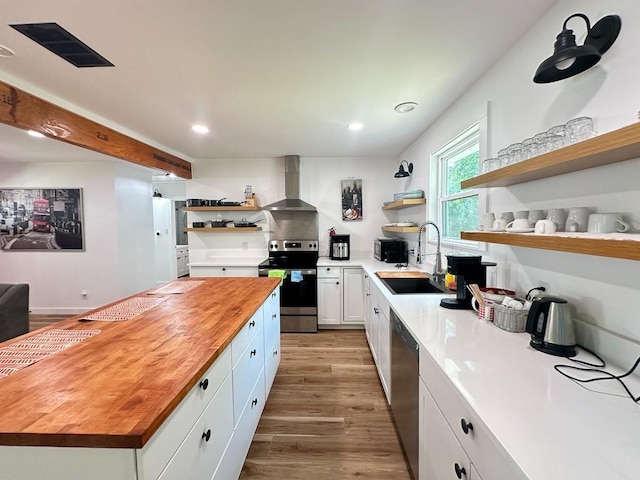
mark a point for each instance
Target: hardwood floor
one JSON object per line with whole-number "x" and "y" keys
{"x": 326, "y": 416}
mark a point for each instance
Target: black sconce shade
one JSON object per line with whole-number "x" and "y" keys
{"x": 402, "y": 172}
{"x": 569, "y": 59}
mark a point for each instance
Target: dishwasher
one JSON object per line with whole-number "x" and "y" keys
{"x": 404, "y": 389}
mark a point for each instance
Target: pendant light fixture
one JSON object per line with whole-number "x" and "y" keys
{"x": 569, "y": 59}
{"x": 402, "y": 172}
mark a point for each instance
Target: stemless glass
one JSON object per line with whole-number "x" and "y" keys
{"x": 559, "y": 131}
{"x": 513, "y": 151}
{"x": 490, "y": 164}
{"x": 503, "y": 158}
{"x": 528, "y": 149}
{"x": 580, "y": 129}
{"x": 540, "y": 140}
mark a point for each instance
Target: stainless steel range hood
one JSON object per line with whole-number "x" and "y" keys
{"x": 291, "y": 202}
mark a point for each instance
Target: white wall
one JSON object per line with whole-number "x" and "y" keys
{"x": 319, "y": 186}
{"x": 118, "y": 255}
{"x": 603, "y": 291}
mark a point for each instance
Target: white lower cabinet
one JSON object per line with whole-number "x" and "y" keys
{"x": 465, "y": 440}
{"x": 440, "y": 455}
{"x": 222, "y": 271}
{"x": 341, "y": 299}
{"x": 378, "y": 331}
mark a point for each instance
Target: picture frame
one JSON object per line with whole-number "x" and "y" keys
{"x": 37, "y": 219}
{"x": 351, "y": 191}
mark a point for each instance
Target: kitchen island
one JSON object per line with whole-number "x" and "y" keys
{"x": 123, "y": 403}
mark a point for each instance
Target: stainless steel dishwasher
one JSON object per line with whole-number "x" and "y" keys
{"x": 404, "y": 389}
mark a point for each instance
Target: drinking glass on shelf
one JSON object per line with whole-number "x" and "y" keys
{"x": 540, "y": 140}
{"x": 514, "y": 153}
{"x": 503, "y": 158}
{"x": 555, "y": 142}
{"x": 490, "y": 164}
{"x": 579, "y": 129}
{"x": 559, "y": 131}
{"x": 528, "y": 149}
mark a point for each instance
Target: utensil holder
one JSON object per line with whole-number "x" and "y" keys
{"x": 510, "y": 319}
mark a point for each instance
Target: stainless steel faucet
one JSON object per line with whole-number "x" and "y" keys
{"x": 438, "y": 273}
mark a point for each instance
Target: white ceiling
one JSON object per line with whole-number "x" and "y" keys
{"x": 269, "y": 78}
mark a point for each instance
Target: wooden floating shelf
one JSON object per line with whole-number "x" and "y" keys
{"x": 401, "y": 229}
{"x": 220, "y": 209}
{"x": 628, "y": 249}
{"x": 224, "y": 229}
{"x": 605, "y": 149}
{"x": 404, "y": 203}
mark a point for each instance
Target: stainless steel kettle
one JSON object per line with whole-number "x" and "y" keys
{"x": 551, "y": 326}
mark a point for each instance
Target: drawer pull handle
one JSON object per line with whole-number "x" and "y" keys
{"x": 466, "y": 426}
{"x": 274, "y": 316}
{"x": 460, "y": 471}
{"x": 273, "y": 294}
{"x": 204, "y": 384}
{"x": 275, "y": 353}
{"x": 328, "y": 269}
{"x": 252, "y": 323}
{"x": 252, "y": 353}
{"x": 224, "y": 269}
{"x": 206, "y": 435}
{"x": 254, "y": 402}
{"x": 375, "y": 310}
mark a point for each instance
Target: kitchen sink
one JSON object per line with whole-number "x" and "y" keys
{"x": 403, "y": 286}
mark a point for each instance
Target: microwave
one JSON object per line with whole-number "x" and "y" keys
{"x": 390, "y": 250}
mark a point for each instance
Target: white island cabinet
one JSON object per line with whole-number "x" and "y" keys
{"x": 206, "y": 436}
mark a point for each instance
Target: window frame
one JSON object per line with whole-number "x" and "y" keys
{"x": 476, "y": 133}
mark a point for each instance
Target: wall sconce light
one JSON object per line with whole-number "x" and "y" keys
{"x": 568, "y": 59}
{"x": 402, "y": 172}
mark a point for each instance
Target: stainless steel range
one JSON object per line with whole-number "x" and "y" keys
{"x": 298, "y": 293}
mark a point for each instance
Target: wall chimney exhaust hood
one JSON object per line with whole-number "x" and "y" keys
{"x": 291, "y": 202}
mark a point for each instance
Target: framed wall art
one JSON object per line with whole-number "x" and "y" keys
{"x": 36, "y": 219}
{"x": 351, "y": 199}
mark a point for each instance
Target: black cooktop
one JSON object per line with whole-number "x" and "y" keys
{"x": 290, "y": 260}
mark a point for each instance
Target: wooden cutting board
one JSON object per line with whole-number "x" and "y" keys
{"x": 402, "y": 274}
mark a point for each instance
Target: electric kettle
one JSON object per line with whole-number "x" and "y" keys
{"x": 551, "y": 327}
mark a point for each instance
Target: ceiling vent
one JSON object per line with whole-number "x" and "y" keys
{"x": 57, "y": 40}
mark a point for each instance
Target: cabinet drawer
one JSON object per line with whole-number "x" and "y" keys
{"x": 246, "y": 335}
{"x": 201, "y": 452}
{"x": 272, "y": 304}
{"x": 245, "y": 374}
{"x": 164, "y": 443}
{"x": 231, "y": 464}
{"x": 328, "y": 272}
{"x": 271, "y": 363}
{"x": 480, "y": 445}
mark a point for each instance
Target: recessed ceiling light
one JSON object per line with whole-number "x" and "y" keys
{"x": 200, "y": 128}
{"x": 355, "y": 126}
{"x": 33, "y": 133}
{"x": 6, "y": 52}
{"x": 405, "y": 107}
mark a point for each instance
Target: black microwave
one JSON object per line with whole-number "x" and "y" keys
{"x": 390, "y": 250}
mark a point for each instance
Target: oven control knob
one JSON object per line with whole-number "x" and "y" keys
{"x": 311, "y": 245}
{"x": 275, "y": 247}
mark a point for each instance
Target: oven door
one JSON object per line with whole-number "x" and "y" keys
{"x": 298, "y": 300}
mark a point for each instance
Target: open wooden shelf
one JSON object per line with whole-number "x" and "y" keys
{"x": 628, "y": 249}
{"x": 223, "y": 229}
{"x": 612, "y": 147}
{"x": 220, "y": 209}
{"x": 404, "y": 203}
{"x": 401, "y": 229}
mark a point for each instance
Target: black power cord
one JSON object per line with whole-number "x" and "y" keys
{"x": 593, "y": 367}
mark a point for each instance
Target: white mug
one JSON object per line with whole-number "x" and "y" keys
{"x": 534, "y": 216}
{"x": 487, "y": 221}
{"x": 545, "y": 226}
{"x": 519, "y": 224}
{"x": 607, "y": 223}
{"x": 500, "y": 224}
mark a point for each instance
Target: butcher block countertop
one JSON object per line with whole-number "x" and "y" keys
{"x": 115, "y": 389}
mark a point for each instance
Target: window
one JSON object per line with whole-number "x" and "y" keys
{"x": 458, "y": 161}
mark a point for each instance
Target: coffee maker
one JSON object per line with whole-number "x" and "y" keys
{"x": 468, "y": 269}
{"x": 339, "y": 247}
{"x": 551, "y": 326}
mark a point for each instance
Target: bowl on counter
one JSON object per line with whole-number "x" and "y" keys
{"x": 496, "y": 294}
